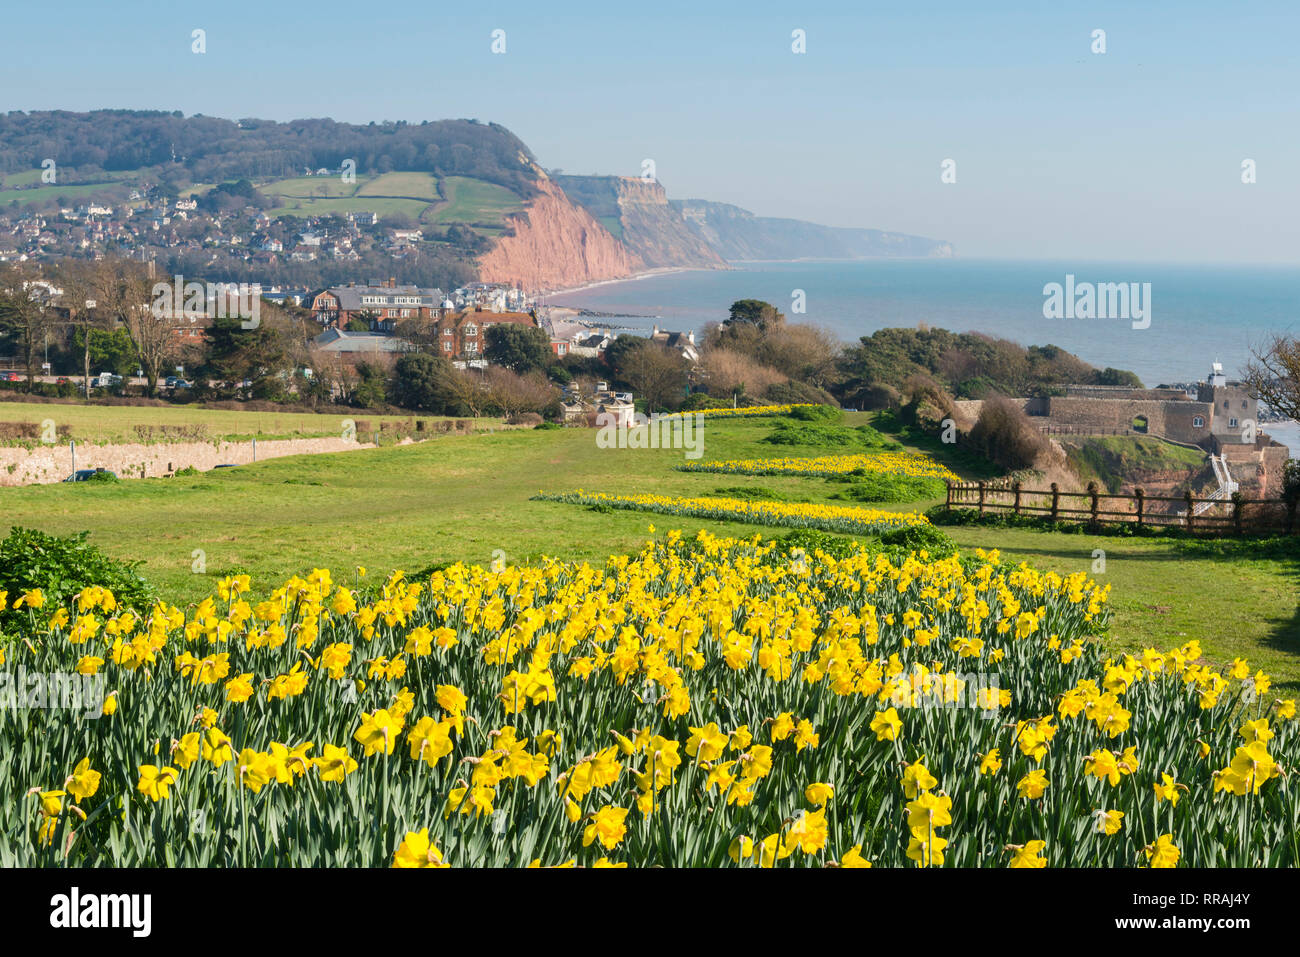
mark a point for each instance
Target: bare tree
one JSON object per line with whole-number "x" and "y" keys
{"x": 1273, "y": 376}
{"x": 728, "y": 372}
{"x": 124, "y": 292}
{"x": 514, "y": 393}
{"x": 471, "y": 390}
{"x": 803, "y": 352}
{"x": 655, "y": 374}
{"x": 27, "y": 312}
{"x": 76, "y": 279}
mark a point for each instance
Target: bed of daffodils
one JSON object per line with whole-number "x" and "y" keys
{"x": 740, "y": 412}
{"x": 912, "y": 464}
{"x": 832, "y": 518}
{"x": 706, "y": 702}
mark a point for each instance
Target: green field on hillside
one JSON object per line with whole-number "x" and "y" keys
{"x": 475, "y": 201}
{"x": 404, "y": 185}
{"x": 464, "y": 498}
{"x": 456, "y": 199}
{"x": 26, "y": 177}
{"x": 408, "y": 194}
{"x": 15, "y": 187}
{"x": 45, "y": 193}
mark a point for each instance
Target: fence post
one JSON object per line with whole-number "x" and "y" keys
{"x": 1056, "y": 500}
{"x": 1016, "y": 487}
{"x": 1138, "y": 493}
{"x": 948, "y": 500}
{"x": 1236, "y": 512}
{"x": 981, "y": 496}
{"x": 1187, "y": 497}
{"x": 1093, "y": 502}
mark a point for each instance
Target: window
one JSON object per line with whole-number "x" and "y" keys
{"x": 1198, "y": 422}
{"x": 1232, "y": 423}
{"x": 471, "y": 347}
{"x": 471, "y": 330}
{"x": 446, "y": 347}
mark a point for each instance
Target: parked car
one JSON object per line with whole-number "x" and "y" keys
{"x": 105, "y": 379}
{"x": 11, "y": 377}
{"x": 85, "y": 475}
{"x": 176, "y": 382}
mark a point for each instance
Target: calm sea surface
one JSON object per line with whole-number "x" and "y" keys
{"x": 1198, "y": 314}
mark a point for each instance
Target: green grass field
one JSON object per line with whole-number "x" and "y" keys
{"x": 463, "y": 498}
{"x": 10, "y": 184}
{"x": 456, "y": 199}
{"x": 474, "y": 201}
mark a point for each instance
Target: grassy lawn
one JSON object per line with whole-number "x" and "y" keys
{"x": 463, "y": 498}
{"x": 474, "y": 201}
{"x": 409, "y": 185}
{"x": 116, "y": 424}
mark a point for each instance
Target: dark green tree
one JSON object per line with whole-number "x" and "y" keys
{"x": 756, "y": 312}
{"x": 425, "y": 383}
{"x": 518, "y": 348}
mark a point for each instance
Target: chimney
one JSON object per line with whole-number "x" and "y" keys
{"x": 392, "y": 282}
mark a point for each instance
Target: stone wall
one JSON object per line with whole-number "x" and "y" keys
{"x": 1165, "y": 418}
{"x": 19, "y": 466}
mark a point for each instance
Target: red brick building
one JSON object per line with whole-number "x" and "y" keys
{"x": 464, "y": 334}
{"x": 381, "y": 305}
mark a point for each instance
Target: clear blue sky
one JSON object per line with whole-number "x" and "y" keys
{"x": 1061, "y": 153}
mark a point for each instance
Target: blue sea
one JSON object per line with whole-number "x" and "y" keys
{"x": 1198, "y": 314}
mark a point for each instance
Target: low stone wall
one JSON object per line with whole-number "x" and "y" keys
{"x": 48, "y": 464}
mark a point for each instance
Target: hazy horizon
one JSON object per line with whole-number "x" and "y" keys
{"x": 1061, "y": 153}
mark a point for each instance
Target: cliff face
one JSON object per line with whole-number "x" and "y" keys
{"x": 740, "y": 235}
{"x": 638, "y": 212}
{"x": 556, "y": 244}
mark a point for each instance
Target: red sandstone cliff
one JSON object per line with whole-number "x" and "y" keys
{"x": 556, "y": 244}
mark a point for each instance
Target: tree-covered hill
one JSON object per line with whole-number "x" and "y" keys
{"x": 204, "y": 149}
{"x": 969, "y": 365}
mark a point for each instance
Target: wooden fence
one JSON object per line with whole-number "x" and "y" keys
{"x": 1222, "y": 516}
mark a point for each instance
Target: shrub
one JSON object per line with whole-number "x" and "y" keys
{"x": 1005, "y": 435}
{"x": 701, "y": 400}
{"x": 811, "y": 540}
{"x": 61, "y": 567}
{"x": 796, "y": 392}
{"x": 919, "y": 537}
{"x": 817, "y": 413}
{"x": 883, "y": 487}
{"x": 525, "y": 418}
{"x": 822, "y": 435}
